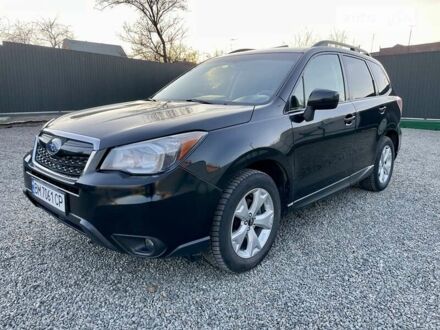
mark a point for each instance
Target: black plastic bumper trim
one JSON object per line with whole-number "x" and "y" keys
{"x": 191, "y": 248}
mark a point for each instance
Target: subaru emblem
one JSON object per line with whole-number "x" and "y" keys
{"x": 53, "y": 146}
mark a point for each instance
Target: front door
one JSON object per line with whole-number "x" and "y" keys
{"x": 323, "y": 146}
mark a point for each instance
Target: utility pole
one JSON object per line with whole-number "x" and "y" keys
{"x": 410, "y": 34}
{"x": 372, "y": 43}
{"x": 231, "y": 42}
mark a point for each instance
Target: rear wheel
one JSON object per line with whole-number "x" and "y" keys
{"x": 246, "y": 222}
{"x": 383, "y": 167}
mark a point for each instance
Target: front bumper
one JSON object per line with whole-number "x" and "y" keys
{"x": 149, "y": 216}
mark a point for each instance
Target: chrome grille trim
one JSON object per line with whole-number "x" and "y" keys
{"x": 59, "y": 176}
{"x": 73, "y": 136}
{"x": 46, "y": 171}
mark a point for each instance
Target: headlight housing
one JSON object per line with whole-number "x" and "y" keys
{"x": 153, "y": 156}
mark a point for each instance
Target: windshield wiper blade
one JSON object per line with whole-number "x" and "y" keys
{"x": 198, "y": 101}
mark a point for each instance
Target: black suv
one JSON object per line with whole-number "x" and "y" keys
{"x": 211, "y": 162}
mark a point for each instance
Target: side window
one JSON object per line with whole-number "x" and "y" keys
{"x": 297, "y": 98}
{"x": 382, "y": 83}
{"x": 358, "y": 78}
{"x": 324, "y": 72}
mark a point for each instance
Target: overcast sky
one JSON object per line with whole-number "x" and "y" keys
{"x": 226, "y": 24}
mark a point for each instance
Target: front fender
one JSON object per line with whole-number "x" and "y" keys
{"x": 224, "y": 152}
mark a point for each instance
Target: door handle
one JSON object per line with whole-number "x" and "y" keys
{"x": 382, "y": 109}
{"x": 348, "y": 119}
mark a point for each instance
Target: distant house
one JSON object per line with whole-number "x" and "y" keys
{"x": 401, "y": 49}
{"x": 94, "y": 47}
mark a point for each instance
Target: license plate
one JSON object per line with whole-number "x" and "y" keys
{"x": 49, "y": 195}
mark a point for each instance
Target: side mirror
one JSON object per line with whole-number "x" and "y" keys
{"x": 320, "y": 99}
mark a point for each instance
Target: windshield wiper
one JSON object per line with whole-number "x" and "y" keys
{"x": 198, "y": 101}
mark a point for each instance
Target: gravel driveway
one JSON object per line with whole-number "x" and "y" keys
{"x": 355, "y": 260}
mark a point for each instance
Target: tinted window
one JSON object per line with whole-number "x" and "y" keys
{"x": 382, "y": 82}
{"x": 324, "y": 72}
{"x": 358, "y": 77}
{"x": 247, "y": 79}
{"x": 297, "y": 99}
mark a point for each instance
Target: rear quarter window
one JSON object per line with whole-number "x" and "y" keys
{"x": 359, "y": 79}
{"x": 382, "y": 82}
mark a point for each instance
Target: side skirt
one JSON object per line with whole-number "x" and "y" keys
{"x": 334, "y": 187}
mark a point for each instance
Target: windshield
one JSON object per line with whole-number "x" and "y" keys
{"x": 243, "y": 79}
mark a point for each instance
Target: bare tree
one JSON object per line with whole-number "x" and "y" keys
{"x": 304, "y": 39}
{"x": 3, "y": 27}
{"x": 145, "y": 44}
{"x": 157, "y": 31}
{"x": 19, "y": 31}
{"x": 52, "y": 33}
{"x": 338, "y": 36}
{"x": 215, "y": 53}
{"x": 180, "y": 52}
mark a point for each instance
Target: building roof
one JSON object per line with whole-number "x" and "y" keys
{"x": 401, "y": 49}
{"x": 94, "y": 47}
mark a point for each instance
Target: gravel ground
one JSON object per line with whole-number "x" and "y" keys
{"x": 355, "y": 260}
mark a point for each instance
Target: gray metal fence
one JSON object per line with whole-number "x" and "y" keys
{"x": 416, "y": 78}
{"x": 40, "y": 79}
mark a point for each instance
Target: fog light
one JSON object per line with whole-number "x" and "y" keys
{"x": 149, "y": 246}
{"x": 143, "y": 246}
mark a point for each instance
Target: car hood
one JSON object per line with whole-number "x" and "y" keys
{"x": 124, "y": 123}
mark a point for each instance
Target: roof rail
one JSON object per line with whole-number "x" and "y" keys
{"x": 328, "y": 43}
{"x": 240, "y": 50}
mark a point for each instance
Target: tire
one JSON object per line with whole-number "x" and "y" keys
{"x": 233, "y": 219}
{"x": 376, "y": 182}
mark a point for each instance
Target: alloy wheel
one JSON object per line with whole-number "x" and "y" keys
{"x": 385, "y": 164}
{"x": 252, "y": 223}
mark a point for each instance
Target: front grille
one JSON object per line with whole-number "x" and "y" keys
{"x": 69, "y": 161}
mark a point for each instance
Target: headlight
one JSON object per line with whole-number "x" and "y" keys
{"x": 153, "y": 156}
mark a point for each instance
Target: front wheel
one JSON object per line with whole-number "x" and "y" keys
{"x": 383, "y": 166}
{"x": 246, "y": 222}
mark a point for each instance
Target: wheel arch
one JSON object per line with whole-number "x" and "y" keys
{"x": 395, "y": 138}
{"x": 268, "y": 161}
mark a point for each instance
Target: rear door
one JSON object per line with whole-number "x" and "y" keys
{"x": 322, "y": 147}
{"x": 370, "y": 111}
